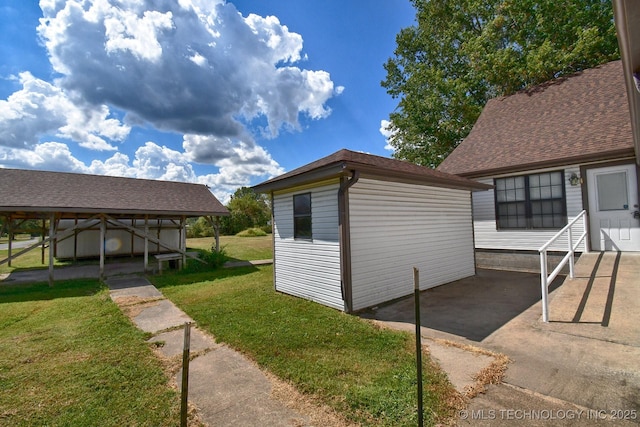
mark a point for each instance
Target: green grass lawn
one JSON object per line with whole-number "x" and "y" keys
{"x": 31, "y": 259}
{"x": 362, "y": 371}
{"x": 238, "y": 248}
{"x": 18, "y": 237}
{"x": 69, "y": 357}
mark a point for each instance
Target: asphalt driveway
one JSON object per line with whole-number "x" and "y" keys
{"x": 472, "y": 308}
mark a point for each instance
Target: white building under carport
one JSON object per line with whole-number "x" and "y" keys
{"x": 349, "y": 228}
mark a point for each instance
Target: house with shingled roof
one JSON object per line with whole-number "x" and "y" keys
{"x": 551, "y": 152}
{"x": 349, "y": 228}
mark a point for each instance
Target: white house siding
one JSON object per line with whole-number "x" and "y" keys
{"x": 395, "y": 227}
{"x": 488, "y": 237}
{"x": 117, "y": 242}
{"x": 309, "y": 268}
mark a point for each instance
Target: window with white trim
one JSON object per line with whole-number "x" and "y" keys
{"x": 302, "y": 216}
{"x": 536, "y": 201}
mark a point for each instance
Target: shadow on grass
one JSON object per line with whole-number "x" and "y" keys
{"x": 23, "y": 292}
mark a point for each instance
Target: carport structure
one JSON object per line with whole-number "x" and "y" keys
{"x": 99, "y": 205}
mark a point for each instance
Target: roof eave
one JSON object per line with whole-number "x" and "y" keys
{"x": 320, "y": 174}
{"x": 627, "y": 153}
{"x": 411, "y": 178}
{"x": 344, "y": 168}
{"x": 132, "y": 212}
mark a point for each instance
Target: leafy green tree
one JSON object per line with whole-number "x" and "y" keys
{"x": 461, "y": 53}
{"x": 29, "y": 226}
{"x": 199, "y": 227}
{"x": 247, "y": 209}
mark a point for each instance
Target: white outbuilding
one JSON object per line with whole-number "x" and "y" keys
{"x": 349, "y": 228}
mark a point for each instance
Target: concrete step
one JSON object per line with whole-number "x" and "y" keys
{"x": 602, "y": 300}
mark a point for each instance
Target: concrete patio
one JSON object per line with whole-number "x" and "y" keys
{"x": 585, "y": 359}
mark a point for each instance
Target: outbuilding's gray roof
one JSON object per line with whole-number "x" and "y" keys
{"x": 573, "y": 119}
{"x": 71, "y": 193}
{"x": 344, "y": 162}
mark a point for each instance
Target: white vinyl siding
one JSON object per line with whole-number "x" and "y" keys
{"x": 309, "y": 268}
{"x": 488, "y": 237}
{"x": 395, "y": 227}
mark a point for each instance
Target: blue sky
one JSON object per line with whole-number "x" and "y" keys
{"x": 227, "y": 94}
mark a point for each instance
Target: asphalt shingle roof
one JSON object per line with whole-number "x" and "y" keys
{"x": 40, "y": 191}
{"x": 572, "y": 119}
{"x": 343, "y": 161}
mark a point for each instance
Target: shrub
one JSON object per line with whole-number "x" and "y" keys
{"x": 252, "y": 232}
{"x": 213, "y": 259}
{"x": 267, "y": 228}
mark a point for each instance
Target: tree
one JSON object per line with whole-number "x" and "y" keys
{"x": 200, "y": 227}
{"x": 247, "y": 209}
{"x": 461, "y": 53}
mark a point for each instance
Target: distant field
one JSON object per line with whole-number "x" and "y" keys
{"x": 32, "y": 259}
{"x": 238, "y": 248}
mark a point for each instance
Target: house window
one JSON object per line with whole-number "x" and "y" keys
{"x": 302, "y": 216}
{"x": 531, "y": 201}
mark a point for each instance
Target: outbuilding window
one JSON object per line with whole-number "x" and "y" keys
{"x": 531, "y": 201}
{"x": 302, "y": 216}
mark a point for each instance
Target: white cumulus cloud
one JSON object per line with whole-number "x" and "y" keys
{"x": 197, "y": 68}
{"x": 188, "y": 66}
{"x": 41, "y": 108}
{"x": 385, "y": 130}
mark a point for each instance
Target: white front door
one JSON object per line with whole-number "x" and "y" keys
{"x": 614, "y": 224}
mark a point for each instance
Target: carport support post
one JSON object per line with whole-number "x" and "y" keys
{"x": 103, "y": 235}
{"x": 416, "y": 291}
{"x": 9, "y": 246}
{"x": 185, "y": 374}
{"x": 146, "y": 243}
{"x": 44, "y": 233}
{"x": 52, "y": 229}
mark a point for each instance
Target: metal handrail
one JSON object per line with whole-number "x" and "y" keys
{"x": 546, "y": 279}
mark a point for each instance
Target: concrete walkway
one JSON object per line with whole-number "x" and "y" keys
{"x": 226, "y": 388}
{"x": 580, "y": 369}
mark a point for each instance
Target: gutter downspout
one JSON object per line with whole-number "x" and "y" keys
{"x": 345, "y": 239}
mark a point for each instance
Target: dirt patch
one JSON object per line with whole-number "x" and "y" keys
{"x": 132, "y": 306}
{"x": 170, "y": 367}
{"x": 318, "y": 414}
{"x": 492, "y": 374}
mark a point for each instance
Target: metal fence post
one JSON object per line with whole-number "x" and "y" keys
{"x": 185, "y": 374}
{"x": 416, "y": 290}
